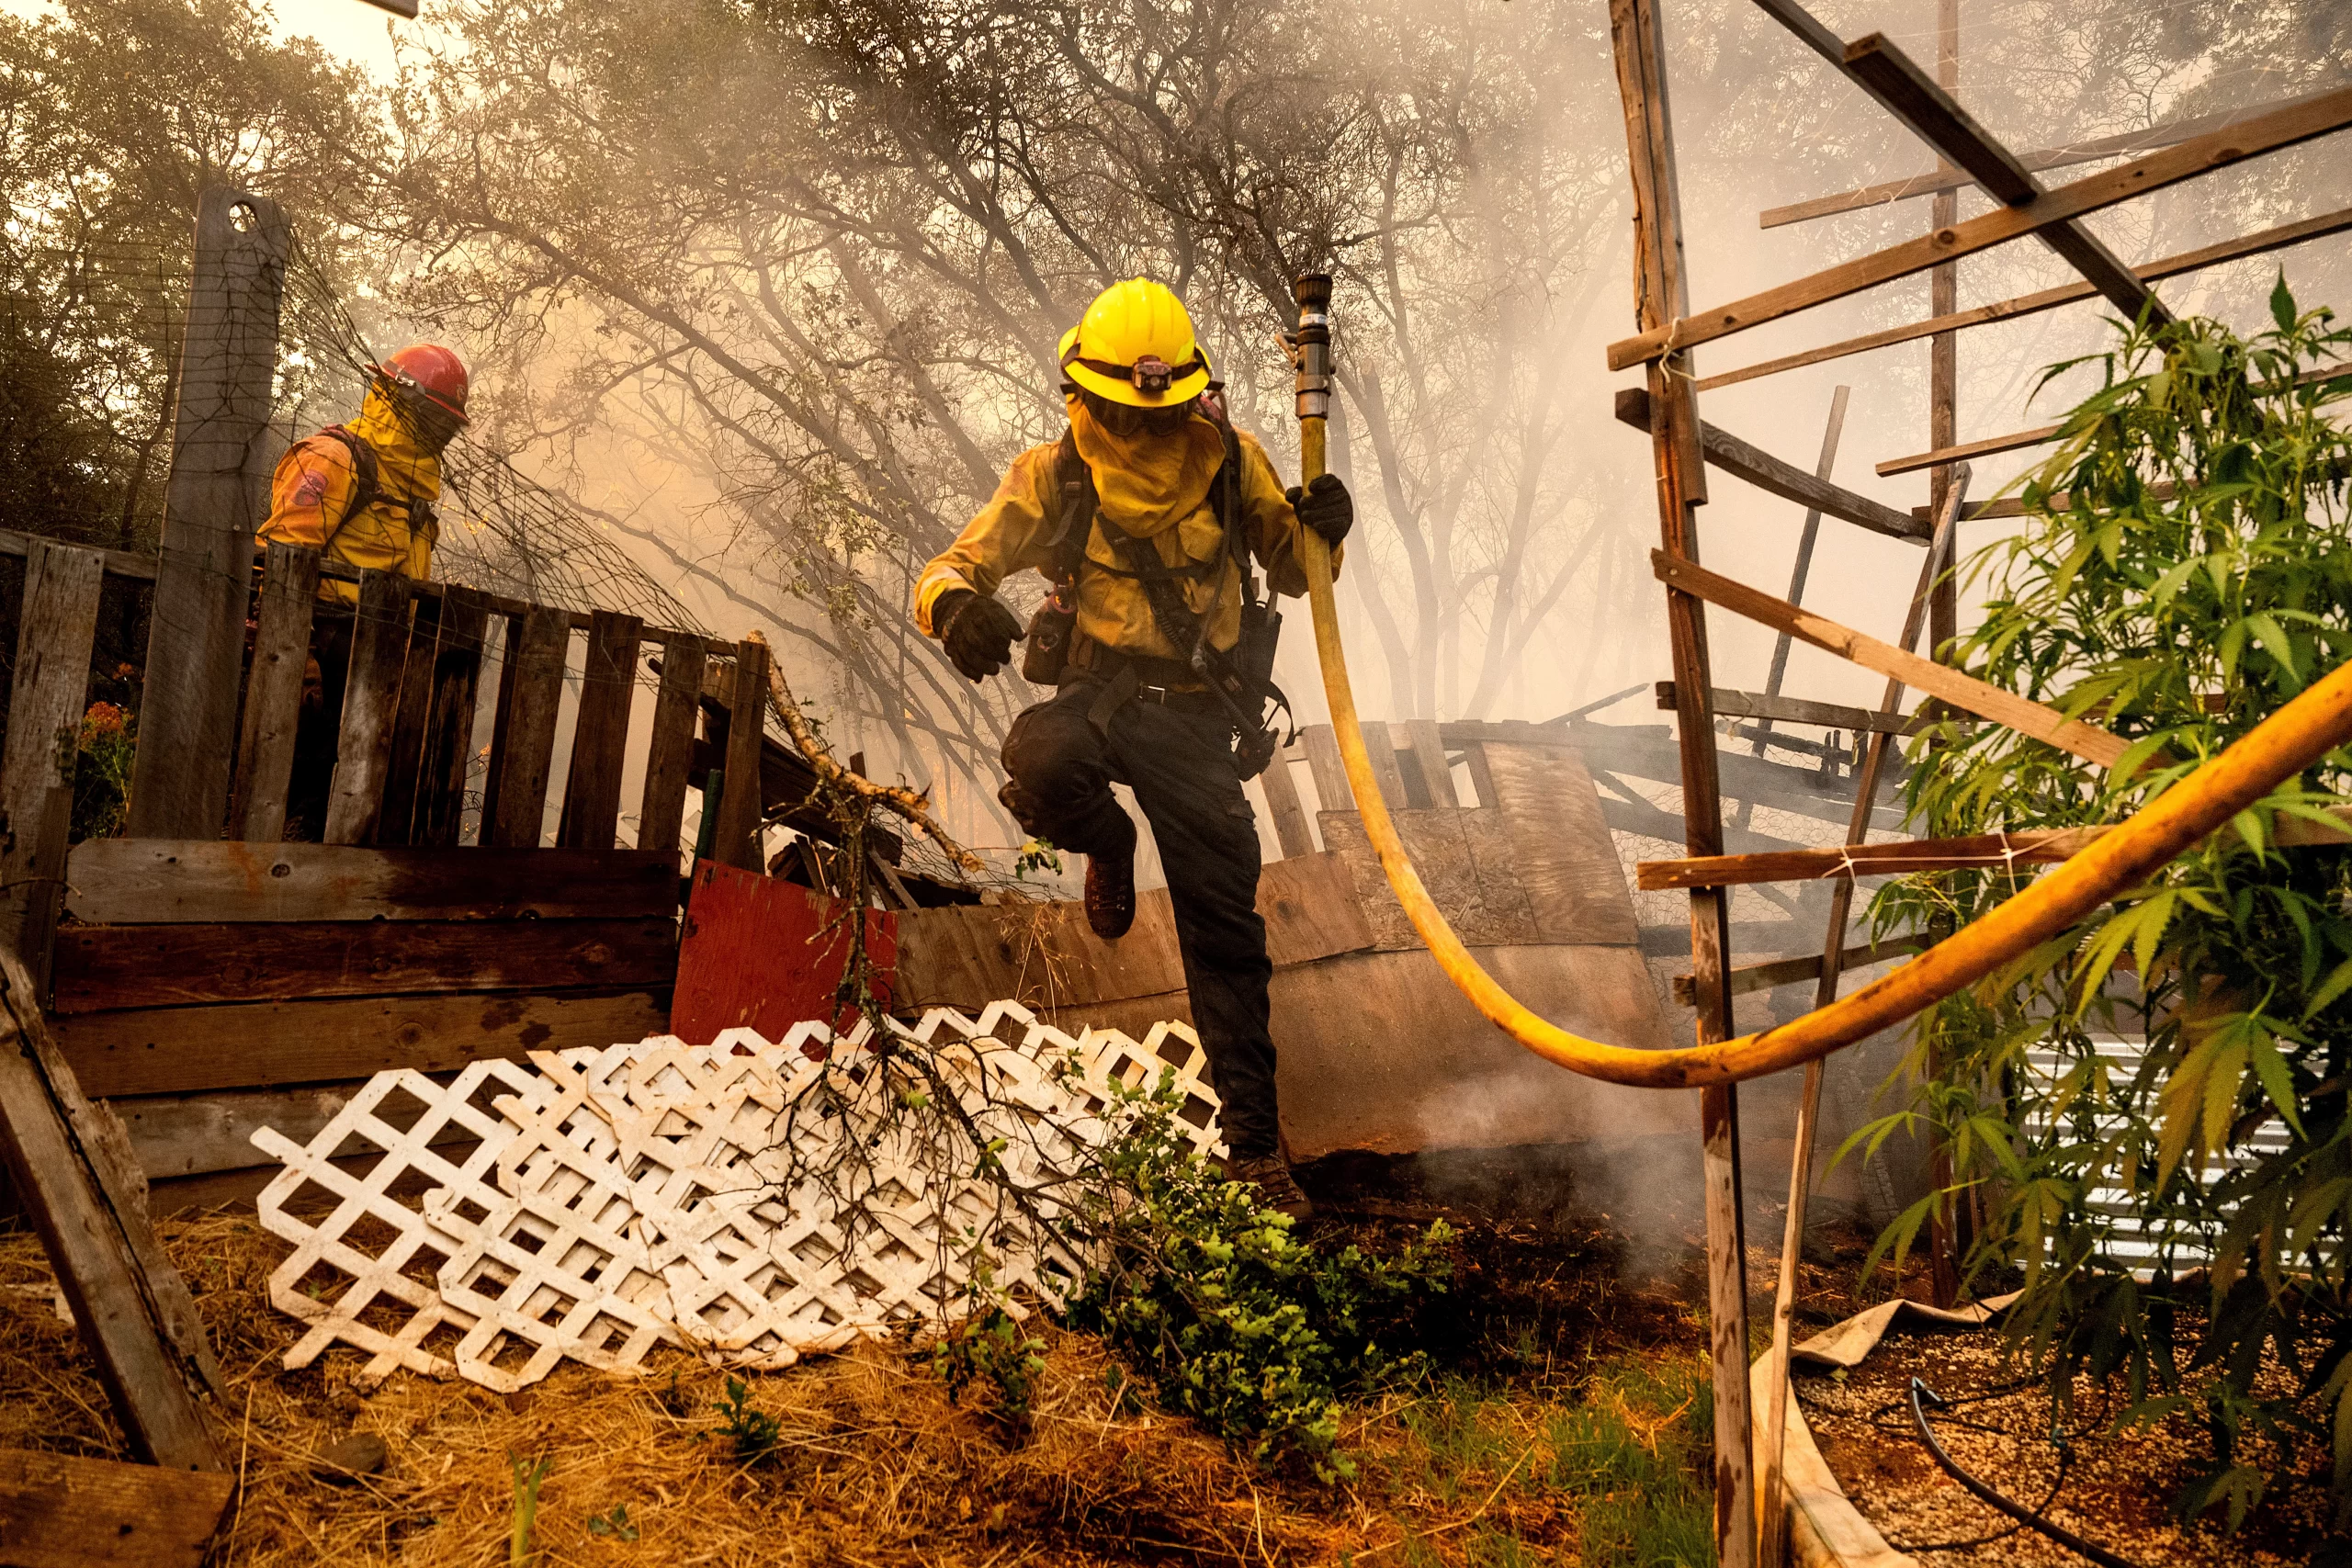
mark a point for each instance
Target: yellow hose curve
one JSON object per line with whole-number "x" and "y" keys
{"x": 2283, "y": 745}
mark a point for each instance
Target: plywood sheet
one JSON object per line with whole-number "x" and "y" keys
{"x": 1480, "y": 898}
{"x": 764, "y": 954}
{"x": 1559, "y": 845}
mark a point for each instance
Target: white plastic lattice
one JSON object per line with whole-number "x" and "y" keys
{"x": 753, "y": 1199}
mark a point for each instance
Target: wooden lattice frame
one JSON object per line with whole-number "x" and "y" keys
{"x": 590, "y": 1204}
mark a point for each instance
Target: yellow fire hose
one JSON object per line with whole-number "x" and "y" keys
{"x": 2280, "y": 747}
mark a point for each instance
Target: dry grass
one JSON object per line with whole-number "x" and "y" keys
{"x": 874, "y": 1466}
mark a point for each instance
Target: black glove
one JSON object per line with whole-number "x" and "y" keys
{"x": 1326, "y": 507}
{"x": 978, "y": 632}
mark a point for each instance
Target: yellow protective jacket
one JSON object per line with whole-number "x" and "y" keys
{"x": 317, "y": 481}
{"x": 1153, "y": 488}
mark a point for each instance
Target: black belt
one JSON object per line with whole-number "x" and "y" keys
{"x": 1198, "y": 700}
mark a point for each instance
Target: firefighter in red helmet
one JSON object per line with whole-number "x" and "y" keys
{"x": 363, "y": 494}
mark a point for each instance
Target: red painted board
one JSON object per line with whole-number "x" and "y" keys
{"x": 757, "y": 953}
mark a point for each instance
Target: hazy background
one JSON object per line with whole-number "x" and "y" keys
{"x": 761, "y": 296}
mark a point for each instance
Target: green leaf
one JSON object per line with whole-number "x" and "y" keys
{"x": 2282, "y": 303}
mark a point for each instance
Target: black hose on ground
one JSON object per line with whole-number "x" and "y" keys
{"x": 1920, "y": 1396}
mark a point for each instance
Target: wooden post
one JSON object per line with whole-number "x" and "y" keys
{"x": 592, "y": 792}
{"x": 363, "y": 751}
{"x": 56, "y": 629}
{"x": 187, "y": 719}
{"x": 450, "y": 726}
{"x": 290, "y": 593}
{"x": 1284, "y": 806}
{"x": 738, "y": 840}
{"x": 1429, "y": 751}
{"x": 530, "y": 692}
{"x": 79, "y": 1183}
{"x": 1660, "y": 297}
{"x": 669, "y": 758}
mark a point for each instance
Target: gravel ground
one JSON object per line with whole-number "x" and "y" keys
{"x": 2116, "y": 1489}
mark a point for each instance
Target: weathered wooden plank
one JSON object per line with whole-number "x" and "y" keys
{"x": 57, "y": 626}
{"x": 1560, "y": 848}
{"x": 169, "y": 881}
{"x": 1332, "y": 792}
{"x": 510, "y": 637}
{"x": 1677, "y": 441}
{"x": 1437, "y": 770}
{"x": 530, "y": 696}
{"x": 179, "y": 1136}
{"x": 1283, "y": 805}
{"x": 1781, "y": 971}
{"x": 179, "y": 1050}
{"x": 2282, "y": 128}
{"x": 289, "y": 590}
{"x": 1383, "y": 752}
{"x": 1464, "y": 858}
{"x": 119, "y": 563}
{"x": 591, "y": 790}
{"x": 2252, "y": 244}
{"x": 1801, "y": 710}
{"x": 103, "y": 967}
{"x": 737, "y": 839}
{"x": 1950, "y": 179}
{"x": 448, "y": 751}
{"x": 64, "y": 1511}
{"x": 80, "y": 1189}
{"x": 363, "y": 756}
{"x": 187, "y": 719}
{"x": 1788, "y": 481}
{"x": 1884, "y": 72}
{"x": 404, "y": 765}
{"x": 1981, "y": 852}
{"x": 1966, "y": 691}
{"x": 661, "y": 810}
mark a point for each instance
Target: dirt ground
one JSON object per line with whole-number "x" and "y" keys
{"x": 2115, "y": 1491}
{"x": 1567, "y": 1423}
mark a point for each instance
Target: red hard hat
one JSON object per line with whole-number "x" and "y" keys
{"x": 432, "y": 371}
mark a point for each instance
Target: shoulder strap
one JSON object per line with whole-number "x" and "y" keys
{"x": 368, "y": 487}
{"x": 1074, "y": 511}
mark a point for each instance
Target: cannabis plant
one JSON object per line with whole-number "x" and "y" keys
{"x": 2183, "y": 569}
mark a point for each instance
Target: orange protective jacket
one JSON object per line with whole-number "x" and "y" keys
{"x": 312, "y": 491}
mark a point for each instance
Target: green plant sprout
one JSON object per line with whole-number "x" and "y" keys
{"x": 529, "y": 1473}
{"x": 754, "y": 1434}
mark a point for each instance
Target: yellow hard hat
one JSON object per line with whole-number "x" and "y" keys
{"x": 1135, "y": 345}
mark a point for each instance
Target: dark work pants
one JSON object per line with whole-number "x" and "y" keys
{"x": 1181, "y": 766}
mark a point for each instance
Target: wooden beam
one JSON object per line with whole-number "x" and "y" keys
{"x": 1977, "y": 852}
{"x": 661, "y": 810}
{"x": 1906, "y": 92}
{"x": 2011, "y": 309}
{"x": 530, "y": 695}
{"x": 1781, "y": 971}
{"x": 2280, "y": 129}
{"x": 1677, "y": 439}
{"x": 73, "y": 1172}
{"x": 591, "y": 790}
{"x": 449, "y": 752}
{"x": 208, "y": 881}
{"x": 1285, "y": 808}
{"x": 134, "y": 568}
{"x": 1760, "y": 468}
{"x": 188, "y": 717}
{"x": 55, "y": 633}
{"x": 363, "y": 756}
{"x": 404, "y": 761}
{"x": 1798, "y": 710}
{"x": 1943, "y": 179}
{"x": 289, "y": 591}
{"x": 2028, "y": 717}
{"x": 738, "y": 840}
{"x": 1437, "y": 769}
{"x": 104, "y": 968}
{"x": 1382, "y": 750}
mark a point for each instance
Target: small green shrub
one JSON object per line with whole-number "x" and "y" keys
{"x": 614, "y": 1526}
{"x": 753, "y": 1434}
{"x": 107, "y": 741}
{"x": 992, "y": 1349}
{"x": 1235, "y": 1321}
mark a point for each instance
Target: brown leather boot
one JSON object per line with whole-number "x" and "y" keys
{"x": 1111, "y": 895}
{"x": 1277, "y": 1188}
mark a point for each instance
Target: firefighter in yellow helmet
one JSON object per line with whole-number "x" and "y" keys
{"x": 363, "y": 494}
{"x": 1147, "y": 517}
